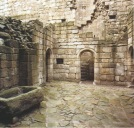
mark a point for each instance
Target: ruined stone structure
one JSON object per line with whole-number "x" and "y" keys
{"x": 79, "y": 39}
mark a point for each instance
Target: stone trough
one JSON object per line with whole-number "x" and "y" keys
{"x": 16, "y": 100}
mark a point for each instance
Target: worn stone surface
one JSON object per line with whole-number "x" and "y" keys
{"x": 79, "y": 105}
{"x": 73, "y": 27}
{"x": 16, "y": 100}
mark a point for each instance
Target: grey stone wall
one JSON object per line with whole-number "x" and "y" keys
{"x": 9, "y": 67}
{"x": 28, "y": 67}
{"x": 37, "y": 39}
{"x": 21, "y": 53}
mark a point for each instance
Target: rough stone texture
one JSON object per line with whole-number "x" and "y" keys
{"x": 16, "y": 100}
{"x": 21, "y": 44}
{"x": 107, "y": 32}
{"x": 69, "y": 105}
{"x": 9, "y": 68}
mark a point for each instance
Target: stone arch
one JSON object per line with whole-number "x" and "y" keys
{"x": 86, "y": 64}
{"x": 85, "y": 49}
{"x": 49, "y": 65}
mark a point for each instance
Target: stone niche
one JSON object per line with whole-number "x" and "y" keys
{"x": 28, "y": 74}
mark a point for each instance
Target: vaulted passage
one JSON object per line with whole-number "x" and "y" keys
{"x": 87, "y": 65}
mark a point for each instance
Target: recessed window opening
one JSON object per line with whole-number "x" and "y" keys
{"x": 59, "y": 60}
{"x": 112, "y": 17}
{"x": 63, "y": 20}
{"x": 107, "y": 7}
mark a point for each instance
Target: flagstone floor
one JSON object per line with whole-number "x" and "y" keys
{"x": 81, "y": 105}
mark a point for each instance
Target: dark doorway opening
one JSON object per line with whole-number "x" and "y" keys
{"x": 87, "y": 66}
{"x": 48, "y": 64}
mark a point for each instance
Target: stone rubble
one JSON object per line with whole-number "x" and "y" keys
{"x": 13, "y": 31}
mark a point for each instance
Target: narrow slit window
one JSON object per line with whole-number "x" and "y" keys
{"x": 59, "y": 61}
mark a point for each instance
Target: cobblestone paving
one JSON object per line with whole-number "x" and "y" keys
{"x": 73, "y": 105}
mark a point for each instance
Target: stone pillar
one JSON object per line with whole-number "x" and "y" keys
{"x": 38, "y": 39}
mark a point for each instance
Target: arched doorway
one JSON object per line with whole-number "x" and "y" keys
{"x": 87, "y": 65}
{"x": 48, "y": 65}
{"x": 131, "y": 56}
{"x": 130, "y": 65}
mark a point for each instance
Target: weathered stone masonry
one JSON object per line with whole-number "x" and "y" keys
{"x": 106, "y": 33}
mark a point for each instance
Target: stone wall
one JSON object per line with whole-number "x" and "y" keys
{"x": 68, "y": 46}
{"x": 130, "y": 27}
{"x": 130, "y": 46}
{"x": 110, "y": 18}
{"x": 9, "y": 67}
{"x": 49, "y": 42}
{"x": 28, "y": 67}
{"x": 21, "y": 53}
{"x": 38, "y": 41}
{"x": 102, "y": 27}
{"x": 46, "y": 11}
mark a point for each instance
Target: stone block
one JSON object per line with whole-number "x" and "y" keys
{"x": 107, "y": 65}
{"x": 1, "y": 83}
{"x": 4, "y": 35}
{"x": 57, "y": 32}
{"x": 107, "y": 77}
{"x": 61, "y": 51}
{"x": 120, "y": 83}
{"x": 3, "y": 64}
{"x": 117, "y": 78}
{"x": 5, "y": 49}
{"x": 119, "y": 69}
{"x": 56, "y": 76}
{"x": 9, "y": 64}
{"x": 72, "y": 76}
{"x": 12, "y": 43}
{"x": 107, "y": 49}
{"x": 89, "y": 35}
{"x": 83, "y": 35}
{"x": 70, "y": 23}
{"x": 122, "y": 78}
{"x": 3, "y": 72}
{"x": 105, "y": 55}
{"x": 18, "y": 102}
{"x": 9, "y": 57}
{"x": 2, "y": 56}
{"x": 96, "y": 70}
{"x": 75, "y": 31}
{"x": 15, "y": 64}
{"x": 107, "y": 71}
{"x": 120, "y": 55}
{"x": 104, "y": 60}
{"x": 107, "y": 83}
{"x": 72, "y": 69}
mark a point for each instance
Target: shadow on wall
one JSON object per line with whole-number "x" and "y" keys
{"x": 48, "y": 65}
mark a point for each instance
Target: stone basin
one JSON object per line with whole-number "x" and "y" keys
{"x": 16, "y": 100}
